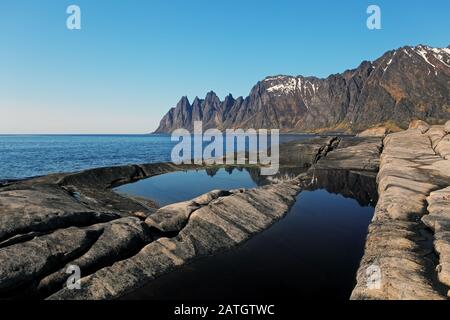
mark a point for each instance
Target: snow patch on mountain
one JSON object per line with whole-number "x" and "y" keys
{"x": 289, "y": 85}
{"x": 440, "y": 54}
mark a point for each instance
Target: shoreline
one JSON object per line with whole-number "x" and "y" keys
{"x": 408, "y": 241}
{"x": 87, "y": 152}
{"x": 99, "y": 229}
{"x": 110, "y": 234}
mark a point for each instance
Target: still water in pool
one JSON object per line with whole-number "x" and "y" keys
{"x": 313, "y": 252}
{"x": 185, "y": 185}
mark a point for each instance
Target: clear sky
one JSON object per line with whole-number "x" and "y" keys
{"x": 132, "y": 60}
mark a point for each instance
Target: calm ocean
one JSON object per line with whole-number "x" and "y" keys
{"x": 23, "y": 156}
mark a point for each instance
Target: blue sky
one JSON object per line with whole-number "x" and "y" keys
{"x": 132, "y": 60}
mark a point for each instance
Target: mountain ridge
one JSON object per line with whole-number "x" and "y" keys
{"x": 403, "y": 84}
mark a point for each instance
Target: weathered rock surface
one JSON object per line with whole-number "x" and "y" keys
{"x": 24, "y": 262}
{"x": 374, "y": 132}
{"x": 353, "y": 154}
{"x": 447, "y": 127}
{"x": 441, "y": 145}
{"x": 222, "y": 223}
{"x": 173, "y": 217}
{"x": 422, "y": 126}
{"x": 342, "y": 153}
{"x": 50, "y": 222}
{"x": 306, "y": 153}
{"x": 438, "y": 220}
{"x": 399, "y": 245}
{"x": 116, "y": 240}
{"x": 43, "y": 209}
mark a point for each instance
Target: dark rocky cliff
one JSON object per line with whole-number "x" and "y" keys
{"x": 402, "y": 85}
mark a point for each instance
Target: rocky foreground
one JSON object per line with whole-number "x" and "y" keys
{"x": 409, "y": 238}
{"x": 121, "y": 242}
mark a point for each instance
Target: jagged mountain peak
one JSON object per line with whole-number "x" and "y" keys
{"x": 433, "y": 57}
{"x": 211, "y": 94}
{"x": 197, "y": 101}
{"x": 229, "y": 100}
{"x": 411, "y": 82}
{"x": 212, "y": 99}
{"x": 184, "y": 101}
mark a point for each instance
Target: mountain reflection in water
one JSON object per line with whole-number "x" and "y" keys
{"x": 312, "y": 253}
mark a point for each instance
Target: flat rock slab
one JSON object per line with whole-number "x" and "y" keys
{"x": 306, "y": 152}
{"x": 221, "y": 224}
{"x": 374, "y": 132}
{"x": 358, "y": 153}
{"x": 43, "y": 209}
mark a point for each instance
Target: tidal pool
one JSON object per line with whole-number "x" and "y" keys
{"x": 312, "y": 253}
{"x": 185, "y": 185}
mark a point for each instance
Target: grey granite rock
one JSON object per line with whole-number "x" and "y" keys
{"x": 43, "y": 209}
{"x": 118, "y": 239}
{"x": 173, "y": 217}
{"x": 306, "y": 153}
{"x": 447, "y": 127}
{"x": 25, "y": 262}
{"x": 399, "y": 245}
{"x": 374, "y": 132}
{"x": 50, "y": 222}
{"x": 420, "y": 125}
{"x": 222, "y": 224}
{"x": 438, "y": 220}
{"x": 359, "y": 153}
